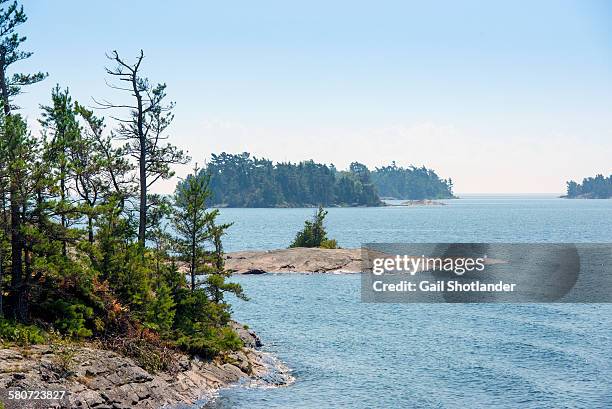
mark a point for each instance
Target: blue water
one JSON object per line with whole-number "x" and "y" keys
{"x": 470, "y": 219}
{"x": 344, "y": 353}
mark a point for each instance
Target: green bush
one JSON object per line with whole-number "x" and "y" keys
{"x": 71, "y": 318}
{"x": 329, "y": 244}
{"x": 21, "y": 334}
{"x": 314, "y": 234}
{"x": 210, "y": 342}
{"x": 63, "y": 362}
{"x": 160, "y": 315}
{"x": 202, "y": 325}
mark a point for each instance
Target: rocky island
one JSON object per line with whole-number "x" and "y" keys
{"x": 295, "y": 260}
{"x": 424, "y": 202}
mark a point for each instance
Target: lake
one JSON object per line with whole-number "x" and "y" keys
{"x": 512, "y": 219}
{"x": 344, "y": 353}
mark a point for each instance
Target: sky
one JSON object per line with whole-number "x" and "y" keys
{"x": 504, "y": 97}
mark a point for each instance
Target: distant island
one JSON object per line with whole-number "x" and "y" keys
{"x": 411, "y": 183}
{"x": 598, "y": 187}
{"x": 242, "y": 180}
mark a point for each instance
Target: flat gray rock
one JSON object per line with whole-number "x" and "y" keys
{"x": 295, "y": 260}
{"x": 99, "y": 378}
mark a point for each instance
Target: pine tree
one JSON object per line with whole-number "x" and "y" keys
{"x": 192, "y": 220}
{"x": 72, "y": 240}
{"x": 144, "y": 131}
{"x": 20, "y": 156}
{"x": 161, "y": 311}
{"x": 160, "y": 211}
{"x": 115, "y": 171}
{"x": 10, "y": 41}
{"x": 215, "y": 284}
{"x": 313, "y": 234}
{"x": 62, "y": 132}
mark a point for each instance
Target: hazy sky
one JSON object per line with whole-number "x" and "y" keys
{"x": 509, "y": 96}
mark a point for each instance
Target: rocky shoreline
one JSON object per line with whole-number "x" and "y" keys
{"x": 295, "y": 260}
{"x": 102, "y": 379}
{"x": 303, "y": 260}
{"x": 423, "y": 202}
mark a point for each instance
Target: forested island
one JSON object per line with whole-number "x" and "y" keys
{"x": 241, "y": 180}
{"x": 411, "y": 183}
{"x": 598, "y": 187}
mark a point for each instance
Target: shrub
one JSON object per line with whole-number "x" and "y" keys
{"x": 71, "y": 318}
{"x": 21, "y": 334}
{"x": 160, "y": 315}
{"x": 202, "y": 325}
{"x": 63, "y": 359}
{"x": 329, "y": 244}
{"x": 314, "y": 234}
{"x": 210, "y": 342}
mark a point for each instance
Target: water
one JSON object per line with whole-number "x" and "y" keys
{"x": 344, "y": 353}
{"x": 471, "y": 219}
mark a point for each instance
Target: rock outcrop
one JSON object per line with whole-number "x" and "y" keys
{"x": 95, "y": 378}
{"x": 422, "y": 202}
{"x": 295, "y": 260}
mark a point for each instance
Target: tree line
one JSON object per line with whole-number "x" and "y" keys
{"x": 411, "y": 183}
{"x": 244, "y": 181}
{"x": 598, "y": 187}
{"x": 84, "y": 247}
{"x": 241, "y": 180}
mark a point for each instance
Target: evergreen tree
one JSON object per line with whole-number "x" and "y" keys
{"x": 205, "y": 331}
{"x": 75, "y": 246}
{"x": 192, "y": 220}
{"x": 111, "y": 167}
{"x": 160, "y": 314}
{"x": 61, "y": 131}
{"x": 215, "y": 284}
{"x": 160, "y": 210}
{"x": 20, "y": 156}
{"x": 11, "y": 16}
{"x": 314, "y": 234}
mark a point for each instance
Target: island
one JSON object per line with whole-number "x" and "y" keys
{"x": 598, "y": 187}
{"x": 309, "y": 260}
{"x": 423, "y": 202}
{"x": 295, "y": 260}
{"x": 241, "y": 180}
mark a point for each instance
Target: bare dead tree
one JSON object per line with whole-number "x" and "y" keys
{"x": 143, "y": 129}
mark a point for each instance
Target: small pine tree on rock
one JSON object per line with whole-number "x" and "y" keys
{"x": 314, "y": 234}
